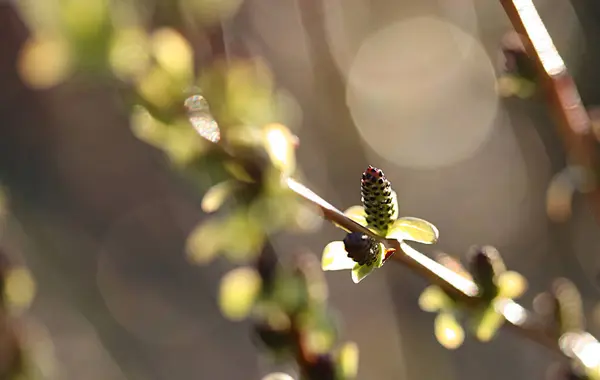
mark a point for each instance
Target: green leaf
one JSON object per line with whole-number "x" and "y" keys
{"x": 448, "y": 331}
{"x": 511, "y": 284}
{"x": 348, "y": 360}
{"x": 243, "y": 237}
{"x": 335, "y": 257}
{"x": 486, "y": 323}
{"x": 433, "y": 299}
{"x": 238, "y": 292}
{"x": 216, "y": 196}
{"x": 359, "y": 272}
{"x": 290, "y": 293}
{"x": 415, "y": 229}
{"x": 205, "y": 242}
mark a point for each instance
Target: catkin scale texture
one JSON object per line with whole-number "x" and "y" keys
{"x": 377, "y": 199}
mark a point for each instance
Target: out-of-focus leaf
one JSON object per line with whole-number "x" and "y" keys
{"x": 279, "y": 144}
{"x": 319, "y": 328}
{"x": 511, "y": 284}
{"x": 415, "y": 229}
{"x": 129, "y": 54}
{"x": 290, "y": 293}
{"x": 19, "y": 288}
{"x": 173, "y": 53}
{"x": 181, "y": 144}
{"x": 348, "y": 361}
{"x": 335, "y": 257}
{"x": 216, "y": 196}
{"x": 238, "y": 172}
{"x": 448, "y": 331}
{"x": 205, "y": 242}
{"x": 274, "y": 210}
{"x": 83, "y": 20}
{"x": 148, "y": 129}
{"x": 238, "y": 292}
{"x": 44, "y": 62}
{"x": 318, "y": 341}
{"x": 486, "y": 324}
{"x": 244, "y": 237}
{"x": 359, "y": 272}
{"x": 157, "y": 88}
{"x": 433, "y": 299}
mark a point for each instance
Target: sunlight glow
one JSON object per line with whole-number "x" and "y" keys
{"x": 541, "y": 40}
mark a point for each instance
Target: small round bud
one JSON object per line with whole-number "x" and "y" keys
{"x": 361, "y": 248}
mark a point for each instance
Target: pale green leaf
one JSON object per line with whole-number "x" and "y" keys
{"x": 432, "y": 299}
{"x": 205, "y": 242}
{"x": 318, "y": 341}
{"x": 486, "y": 323}
{"x": 216, "y": 196}
{"x": 415, "y": 229}
{"x": 238, "y": 292}
{"x": 448, "y": 331}
{"x": 19, "y": 288}
{"x": 511, "y": 284}
{"x": 335, "y": 257}
{"x": 356, "y": 213}
{"x": 348, "y": 360}
{"x": 359, "y": 272}
{"x": 243, "y": 237}
{"x": 238, "y": 171}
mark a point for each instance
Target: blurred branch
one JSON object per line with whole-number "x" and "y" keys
{"x": 575, "y": 127}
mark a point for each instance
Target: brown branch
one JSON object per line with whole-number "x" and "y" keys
{"x": 574, "y": 124}
{"x": 518, "y": 319}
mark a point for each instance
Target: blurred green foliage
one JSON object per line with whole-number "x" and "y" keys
{"x": 496, "y": 286}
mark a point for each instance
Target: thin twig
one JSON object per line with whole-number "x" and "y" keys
{"x": 518, "y": 319}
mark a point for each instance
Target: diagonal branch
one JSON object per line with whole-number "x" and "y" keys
{"x": 518, "y": 319}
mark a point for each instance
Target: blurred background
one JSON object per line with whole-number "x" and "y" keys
{"x": 101, "y": 219}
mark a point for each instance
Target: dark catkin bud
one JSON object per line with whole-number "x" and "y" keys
{"x": 321, "y": 367}
{"x": 361, "y": 248}
{"x": 267, "y": 266}
{"x": 376, "y": 192}
{"x": 485, "y": 264}
{"x": 276, "y": 341}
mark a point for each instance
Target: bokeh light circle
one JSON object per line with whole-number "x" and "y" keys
{"x": 422, "y": 93}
